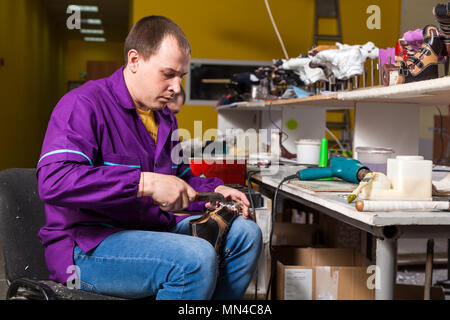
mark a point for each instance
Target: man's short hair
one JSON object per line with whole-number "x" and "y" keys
{"x": 147, "y": 34}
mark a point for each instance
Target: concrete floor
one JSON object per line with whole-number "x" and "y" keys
{"x": 411, "y": 261}
{"x": 416, "y": 275}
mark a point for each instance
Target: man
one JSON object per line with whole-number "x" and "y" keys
{"x": 110, "y": 186}
{"x": 177, "y": 102}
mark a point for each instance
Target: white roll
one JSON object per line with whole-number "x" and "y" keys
{"x": 381, "y": 205}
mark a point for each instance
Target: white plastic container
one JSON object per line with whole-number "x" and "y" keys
{"x": 374, "y": 157}
{"x": 411, "y": 176}
{"x": 308, "y": 151}
{"x": 408, "y": 178}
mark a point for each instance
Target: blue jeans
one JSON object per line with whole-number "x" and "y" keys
{"x": 171, "y": 265}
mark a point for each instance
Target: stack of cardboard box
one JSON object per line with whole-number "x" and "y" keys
{"x": 316, "y": 262}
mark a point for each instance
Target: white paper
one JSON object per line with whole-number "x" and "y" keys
{"x": 393, "y": 77}
{"x": 298, "y": 284}
{"x": 443, "y": 185}
{"x": 326, "y": 283}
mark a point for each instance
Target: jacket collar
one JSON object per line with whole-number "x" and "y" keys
{"x": 119, "y": 90}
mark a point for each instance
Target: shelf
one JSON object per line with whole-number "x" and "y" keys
{"x": 426, "y": 93}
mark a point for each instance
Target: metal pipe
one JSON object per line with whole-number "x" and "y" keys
{"x": 372, "y": 78}
{"x": 429, "y": 270}
{"x": 379, "y": 73}
{"x": 448, "y": 259}
{"x": 364, "y": 76}
{"x": 386, "y": 256}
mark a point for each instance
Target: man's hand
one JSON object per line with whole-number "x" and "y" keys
{"x": 169, "y": 192}
{"x": 236, "y": 196}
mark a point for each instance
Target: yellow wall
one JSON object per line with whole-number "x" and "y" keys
{"x": 38, "y": 62}
{"x": 237, "y": 29}
{"x": 30, "y": 80}
{"x": 78, "y": 52}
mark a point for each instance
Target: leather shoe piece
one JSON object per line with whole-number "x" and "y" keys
{"x": 389, "y": 74}
{"x": 214, "y": 225}
{"x": 424, "y": 64}
{"x": 442, "y": 16}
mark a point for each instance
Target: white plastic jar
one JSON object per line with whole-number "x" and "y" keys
{"x": 411, "y": 176}
{"x": 308, "y": 151}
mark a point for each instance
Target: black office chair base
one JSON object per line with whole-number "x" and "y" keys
{"x": 27, "y": 289}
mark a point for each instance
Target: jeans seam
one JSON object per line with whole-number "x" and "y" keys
{"x": 135, "y": 259}
{"x": 90, "y": 286}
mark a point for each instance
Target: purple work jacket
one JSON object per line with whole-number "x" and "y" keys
{"x": 88, "y": 173}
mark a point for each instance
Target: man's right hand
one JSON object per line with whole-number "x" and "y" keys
{"x": 169, "y": 192}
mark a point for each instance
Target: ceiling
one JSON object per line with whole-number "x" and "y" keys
{"x": 113, "y": 13}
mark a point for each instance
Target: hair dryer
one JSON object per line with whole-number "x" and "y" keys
{"x": 347, "y": 169}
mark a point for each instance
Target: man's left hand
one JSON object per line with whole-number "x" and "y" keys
{"x": 236, "y": 196}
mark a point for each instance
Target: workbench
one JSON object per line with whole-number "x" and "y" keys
{"x": 386, "y": 227}
{"x": 384, "y": 116}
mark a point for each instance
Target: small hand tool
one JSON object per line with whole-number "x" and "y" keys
{"x": 210, "y": 197}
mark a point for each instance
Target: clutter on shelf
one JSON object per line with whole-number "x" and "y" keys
{"x": 418, "y": 53}
{"x": 329, "y": 67}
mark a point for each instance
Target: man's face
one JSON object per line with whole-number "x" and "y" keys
{"x": 158, "y": 79}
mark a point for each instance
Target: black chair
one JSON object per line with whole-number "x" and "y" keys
{"x": 21, "y": 216}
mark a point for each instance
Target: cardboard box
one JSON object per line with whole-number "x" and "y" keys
{"x": 301, "y": 235}
{"x": 415, "y": 292}
{"x": 321, "y": 273}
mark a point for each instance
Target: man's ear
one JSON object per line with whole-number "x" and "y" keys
{"x": 133, "y": 60}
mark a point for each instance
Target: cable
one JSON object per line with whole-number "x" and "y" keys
{"x": 276, "y": 29}
{"x": 441, "y": 136}
{"x": 336, "y": 139}
{"x": 276, "y": 126}
{"x": 272, "y": 257}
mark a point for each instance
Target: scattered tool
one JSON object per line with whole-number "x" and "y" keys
{"x": 393, "y": 205}
{"x": 364, "y": 182}
{"x": 209, "y": 197}
{"x": 214, "y": 198}
{"x": 323, "y": 158}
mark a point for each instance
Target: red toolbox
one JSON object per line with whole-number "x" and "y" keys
{"x": 229, "y": 171}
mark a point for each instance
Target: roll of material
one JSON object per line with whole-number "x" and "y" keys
{"x": 372, "y": 205}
